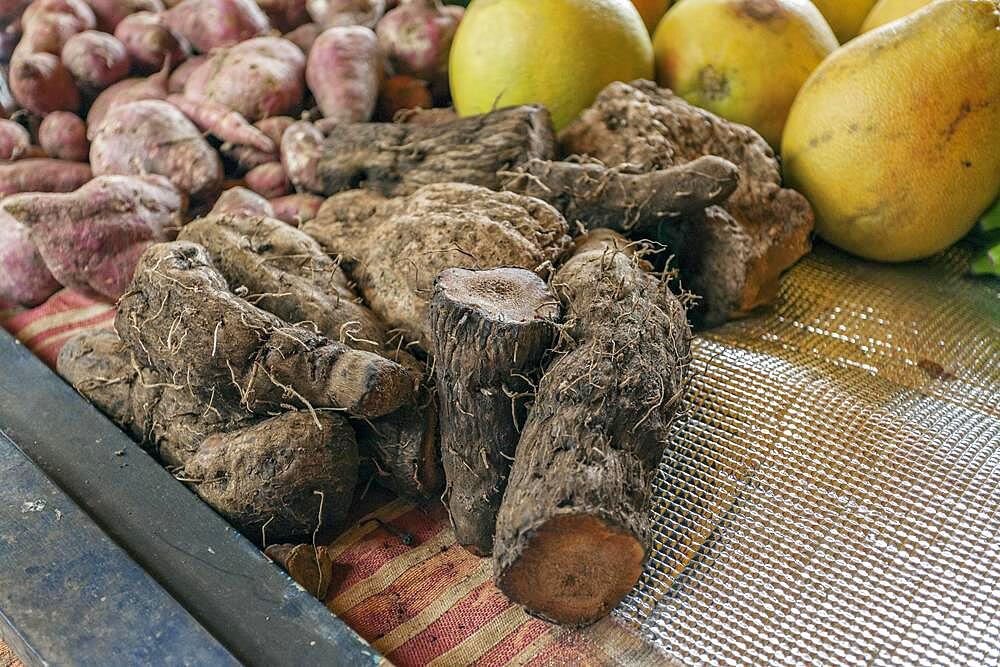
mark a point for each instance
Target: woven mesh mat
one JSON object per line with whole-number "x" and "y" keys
{"x": 832, "y": 495}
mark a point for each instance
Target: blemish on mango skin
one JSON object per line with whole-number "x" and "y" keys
{"x": 760, "y": 10}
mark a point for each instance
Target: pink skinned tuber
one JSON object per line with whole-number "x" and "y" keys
{"x": 211, "y": 24}
{"x": 416, "y": 37}
{"x": 285, "y": 15}
{"x": 247, "y": 158}
{"x": 111, "y": 12}
{"x": 343, "y": 73}
{"x": 91, "y": 239}
{"x": 79, "y": 10}
{"x": 47, "y": 33}
{"x": 14, "y": 140}
{"x": 223, "y": 122}
{"x": 153, "y": 87}
{"x": 178, "y": 78}
{"x": 154, "y": 137}
{"x": 260, "y": 77}
{"x": 24, "y": 278}
{"x": 95, "y": 60}
{"x": 333, "y": 13}
{"x": 243, "y": 202}
{"x": 296, "y": 209}
{"x": 304, "y": 36}
{"x": 63, "y": 135}
{"x": 150, "y": 43}
{"x": 42, "y": 84}
{"x": 42, "y": 175}
{"x": 268, "y": 180}
{"x": 300, "y": 152}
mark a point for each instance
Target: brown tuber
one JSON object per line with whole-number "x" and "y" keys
{"x": 310, "y": 566}
{"x": 490, "y": 330}
{"x": 180, "y": 318}
{"x": 573, "y": 529}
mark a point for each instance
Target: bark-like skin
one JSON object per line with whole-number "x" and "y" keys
{"x": 396, "y": 247}
{"x": 573, "y": 529}
{"x": 490, "y": 331}
{"x": 651, "y": 128}
{"x": 398, "y": 158}
{"x": 163, "y": 417}
{"x": 285, "y": 272}
{"x": 613, "y": 198}
{"x": 180, "y": 318}
{"x": 269, "y": 479}
{"x": 310, "y": 566}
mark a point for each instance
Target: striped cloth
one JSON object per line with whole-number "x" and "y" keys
{"x": 430, "y": 603}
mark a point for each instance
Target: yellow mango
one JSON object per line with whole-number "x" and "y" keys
{"x": 887, "y": 11}
{"x": 845, "y": 16}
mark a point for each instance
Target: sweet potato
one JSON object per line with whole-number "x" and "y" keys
{"x": 14, "y": 140}
{"x": 42, "y": 175}
{"x": 268, "y": 180}
{"x": 402, "y": 92}
{"x": 24, "y": 278}
{"x": 150, "y": 43}
{"x": 48, "y": 33}
{"x": 180, "y": 318}
{"x": 300, "y": 152}
{"x": 296, "y": 209}
{"x": 12, "y": 10}
{"x": 260, "y": 77}
{"x": 42, "y": 84}
{"x": 304, "y": 36}
{"x": 96, "y": 60}
{"x": 416, "y": 38}
{"x": 285, "y": 15}
{"x": 78, "y": 10}
{"x": 241, "y": 201}
{"x": 111, "y": 12}
{"x": 180, "y": 75}
{"x": 247, "y": 157}
{"x": 154, "y": 137}
{"x": 153, "y": 87}
{"x": 333, "y": 13}
{"x": 224, "y": 123}
{"x": 91, "y": 239}
{"x": 10, "y": 35}
{"x": 63, "y": 135}
{"x": 211, "y": 24}
{"x": 343, "y": 73}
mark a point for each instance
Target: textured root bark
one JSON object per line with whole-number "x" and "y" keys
{"x": 573, "y": 529}
{"x": 281, "y": 478}
{"x": 650, "y": 129}
{"x": 490, "y": 330}
{"x": 284, "y": 271}
{"x": 398, "y": 158}
{"x": 634, "y": 203}
{"x": 311, "y": 567}
{"x": 394, "y": 248}
{"x": 180, "y": 319}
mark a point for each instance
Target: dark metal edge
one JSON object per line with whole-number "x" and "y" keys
{"x": 226, "y": 583}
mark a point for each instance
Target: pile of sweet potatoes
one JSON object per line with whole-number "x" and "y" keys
{"x": 322, "y": 274}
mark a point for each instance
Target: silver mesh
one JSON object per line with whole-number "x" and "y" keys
{"x": 832, "y": 495}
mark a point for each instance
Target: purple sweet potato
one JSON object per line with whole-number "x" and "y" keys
{"x": 42, "y": 175}
{"x": 268, "y": 180}
{"x": 296, "y": 209}
{"x": 416, "y": 37}
{"x": 180, "y": 75}
{"x": 211, "y": 24}
{"x": 260, "y": 77}
{"x": 63, "y": 135}
{"x": 242, "y": 201}
{"x": 153, "y": 87}
{"x": 154, "y": 137}
{"x": 95, "y": 60}
{"x": 14, "y": 140}
{"x": 223, "y": 122}
{"x": 150, "y": 43}
{"x": 24, "y": 278}
{"x": 41, "y": 84}
{"x": 91, "y": 239}
{"x": 304, "y": 36}
{"x": 343, "y": 73}
{"x": 300, "y": 152}
{"x": 285, "y": 15}
{"x": 111, "y": 12}
{"x": 333, "y": 13}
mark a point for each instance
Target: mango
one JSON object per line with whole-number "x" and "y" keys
{"x": 887, "y": 11}
{"x": 744, "y": 60}
{"x": 651, "y": 12}
{"x": 845, "y": 16}
{"x": 895, "y": 138}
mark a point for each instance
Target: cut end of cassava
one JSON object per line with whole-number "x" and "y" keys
{"x": 574, "y": 570}
{"x": 500, "y": 295}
